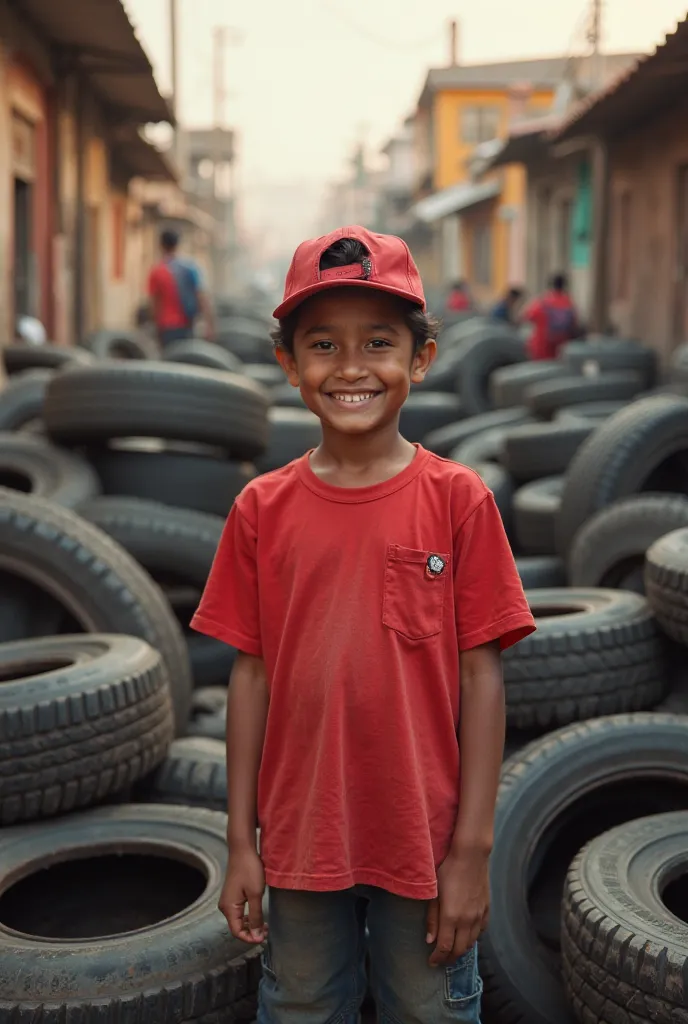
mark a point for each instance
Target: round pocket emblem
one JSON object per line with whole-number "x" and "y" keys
{"x": 436, "y": 565}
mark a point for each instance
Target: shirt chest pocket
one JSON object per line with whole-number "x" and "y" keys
{"x": 414, "y": 591}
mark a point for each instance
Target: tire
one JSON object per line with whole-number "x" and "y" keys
{"x": 624, "y": 929}
{"x": 209, "y": 713}
{"x": 443, "y": 374}
{"x": 536, "y": 507}
{"x": 19, "y": 358}
{"x": 292, "y": 433}
{"x": 35, "y": 467}
{"x": 119, "y": 345}
{"x": 178, "y": 403}
{"x": 247, "y": 339}
{"x": 483, "y": 447}
{"x": 588, "y": 412}
{"x": 609, "y": 355}
{"x": 508, "y": 384}
{"x": 595, "y": 652}
{"x": 270, "y": 375}
{"x": 21, "y": 399}
{"x": 194, "y": 774}
{"x": 94, "y": 580}
{"x": 482, "y": 355}
{"x": 443, "y": 440}
{"x": 609, "y": 549}
{"x": 641, "y": 448}
{"x": 287, "y": 397}
{"x": 211, "y": 660}
{"x": 537, "y": 571}
{"x": 197, "y": 352}
{"x": 555, "y": 795}
{"x": 534, "y": 450}
{"x": 502, "y": 487}
{"x": 129, "y": 898}
{"x": 194, "y": 478}
{"x": 422, "y": 413}
{"x": 678, "y": 370}
{"x": 81, "y": 717}
{"x": 666, "y": 583}
{"x": 546, "y": 398}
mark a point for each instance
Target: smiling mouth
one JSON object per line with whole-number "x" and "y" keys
{"x": 353, "y": 399}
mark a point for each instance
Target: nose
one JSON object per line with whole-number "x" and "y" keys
{"x": 351, "y": 367}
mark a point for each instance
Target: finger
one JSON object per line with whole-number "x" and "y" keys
{"x": 255, "y": 918}
{"x": 235, "y": 918}
{"x": 445, "y": 944}
{"x": 433, "y": 922}
{"x": 464, "y": 941}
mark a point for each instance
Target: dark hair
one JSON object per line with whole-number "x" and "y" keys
{"x": 515, "y": 294}
{"x": 423, "y": 326}
{"x": 558, "y": 282}
{"x": 169, "y": 240}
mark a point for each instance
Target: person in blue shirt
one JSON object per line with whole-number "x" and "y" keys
{"x": 508, "y": 306}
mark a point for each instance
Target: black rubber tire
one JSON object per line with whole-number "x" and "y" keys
{"x": 105, "y": 344}
{"x": 508, "y": 384}
{"x": 610, "y": 354}
{"x": 642, "y": 448}
{"x": 502, "y": 487}
{"x": 555, "y": 795}
{"x": 151, "y": 399}
{"x": 537, "y": 571}
{"x": 197, "y": 352}
{"x": 183, "y": 966}
{"x": 270, "y": 375}
{"x": 666, "y": 583}
{"x": 588, "y": 412}
{"x": 19, "y": 358}
{"x": 211, "y": 660}
{"x": 194, "y": 479}
{"x": 483, "y": 447}
{"x": 292, "y": 433}
{"x": 445, "y": 439}
{"x": 287, "y": 397}
{"x": 443, "y": 374}
{"x": 678, "y": 371}
{"x": 536, "y": 507}
{"x": 595, "y": 652}
{"x": 81, "y": 717}
{"x": 482, "y": 355}
{"x": 33, "y": 466}
{"x": 623, "y": 947}
{"x": 535, "y": 450}
{"x": 609, "y": 549}
{"x": 247, "y": 339}
{"x": 95, "y": 580}
{"x": 21, "y": 399}
{"x": 423, "y": 412}
{"x": 194, "y": 774}
{"x": 209, "y": 713}
{"x": 546, "y": 398}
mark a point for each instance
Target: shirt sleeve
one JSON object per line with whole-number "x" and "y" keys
{"x": 229, "y": 606}
{"x": 196, "y": 276}
{"x": 489, "y": 598}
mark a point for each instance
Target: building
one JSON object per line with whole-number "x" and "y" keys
{"x": 75, "y": 88}
{"x": 479, "y": 223}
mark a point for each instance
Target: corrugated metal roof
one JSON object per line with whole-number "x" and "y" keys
{"x": 637, "y": 93}
{"x": 98, "y": 37}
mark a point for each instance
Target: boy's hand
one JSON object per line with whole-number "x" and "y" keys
{"x": 244, "y": 884}
{"x": 460, "y": 912}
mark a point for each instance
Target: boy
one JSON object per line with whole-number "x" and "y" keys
{"x": 360, "y": 583}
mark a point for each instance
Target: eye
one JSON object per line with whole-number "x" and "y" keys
{"x": 379, "y": 343}
{"x": 323, "y": 346}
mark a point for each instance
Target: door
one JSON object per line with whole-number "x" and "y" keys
{"x": 680, "y": 327}
{"x": 22, "y": 248}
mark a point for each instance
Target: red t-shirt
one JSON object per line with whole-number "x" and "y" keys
{"x": 544, "y": 314}
{"x": 168, "y": 309}
{"x": 359, "y": 780}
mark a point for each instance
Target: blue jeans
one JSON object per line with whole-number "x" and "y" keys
{"x": 314, "y": 962}
{"x": 170, "y": 334}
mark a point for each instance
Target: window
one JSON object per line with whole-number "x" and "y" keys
{"x": 480, "y": 124}
{"x": 482, "y": 253}
{"x": 622, "y": 261}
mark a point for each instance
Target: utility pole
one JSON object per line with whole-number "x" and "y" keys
{"x": 174, "y": 73}
{"x": 595, "y": 40}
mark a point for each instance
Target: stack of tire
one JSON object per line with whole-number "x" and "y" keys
{"x": 587, "y": 456}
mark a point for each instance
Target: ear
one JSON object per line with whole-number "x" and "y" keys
{"x": 288, "y": 364}
{"x": 423, "y": 360}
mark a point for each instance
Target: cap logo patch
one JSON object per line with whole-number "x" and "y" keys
{"x": 435, "y": 565}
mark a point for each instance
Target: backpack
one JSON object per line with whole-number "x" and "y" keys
{"x": 185, "y": 280}
{"x": 561, "y": 320}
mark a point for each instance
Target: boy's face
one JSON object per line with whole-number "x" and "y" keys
{"x": 354, "y": 358}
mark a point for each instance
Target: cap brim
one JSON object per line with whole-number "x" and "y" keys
{"x": 290, "y": 304}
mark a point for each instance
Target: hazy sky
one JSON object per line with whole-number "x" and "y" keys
{"x": 306, "y": 77}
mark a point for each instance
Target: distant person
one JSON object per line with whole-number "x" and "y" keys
{"x": 458, "y": 300}
{"x": 554, "y": 319}
{"x": 508, "y": 306}
{"x": 177, "y": 296}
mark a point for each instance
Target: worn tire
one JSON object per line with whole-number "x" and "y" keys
{"x": 287, "y": 397}
{"x": 270, "y": 375}
{"x": 666, "y": 583}
{"x": 538, "y": 571}
{"x": 136, "y": 937}
{"x": 197, "y": 352}
{"x": 588, "y": 412}
{"x": 443, "y": 440}
{"x": 96, "y": 581}
{"x": 443, "y": 374}
{"x": 19, "y": 358}
{"x": 502, "y": 487}
{"x": 292, "y": 433}
{"x": 151, "y": 399}
{"x": 209, "y": 713}
{"x": 555, "y": 795}
{"x": 105, "y": 344}
{"x": 483, "y": 447}
{"x": 609, "y": 549}
{"x": 611, "y": 354}
{"x": 546, "y": 398}
{"x": 641, "y": 448}
{"x": 21, "y": 400}
{"x": 195, "y": 478}
{"x": 623, "y": 947}
{"x": 81, "y": 717}
{"x": 423, "y": 412}
{"x": 193, "y": 774}
{"x": 535, "y": 450}
{"x": 595, "y": 652}
{"x": 535, "y": 508}
{"x": 481, "y": 356}
{"x": 508, "y": 384}
{"x": 247, "y": 339}
{"x": 32, "y": 466}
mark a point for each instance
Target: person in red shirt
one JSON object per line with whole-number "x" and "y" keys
{"x": 458, "y": 300}
{"x": 176, "y": 293}
{"x": 369, "y": 588}
{"x": 554, "y": 320}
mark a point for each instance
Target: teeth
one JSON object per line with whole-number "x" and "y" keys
{"x": 351, "y": 399}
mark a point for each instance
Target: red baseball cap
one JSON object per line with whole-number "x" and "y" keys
{"x": 389, "y": 267}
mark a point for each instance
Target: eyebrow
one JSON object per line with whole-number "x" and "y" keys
{"x": 323, "y": 328}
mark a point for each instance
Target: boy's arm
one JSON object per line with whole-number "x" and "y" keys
{"x": 457, "y": 917}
